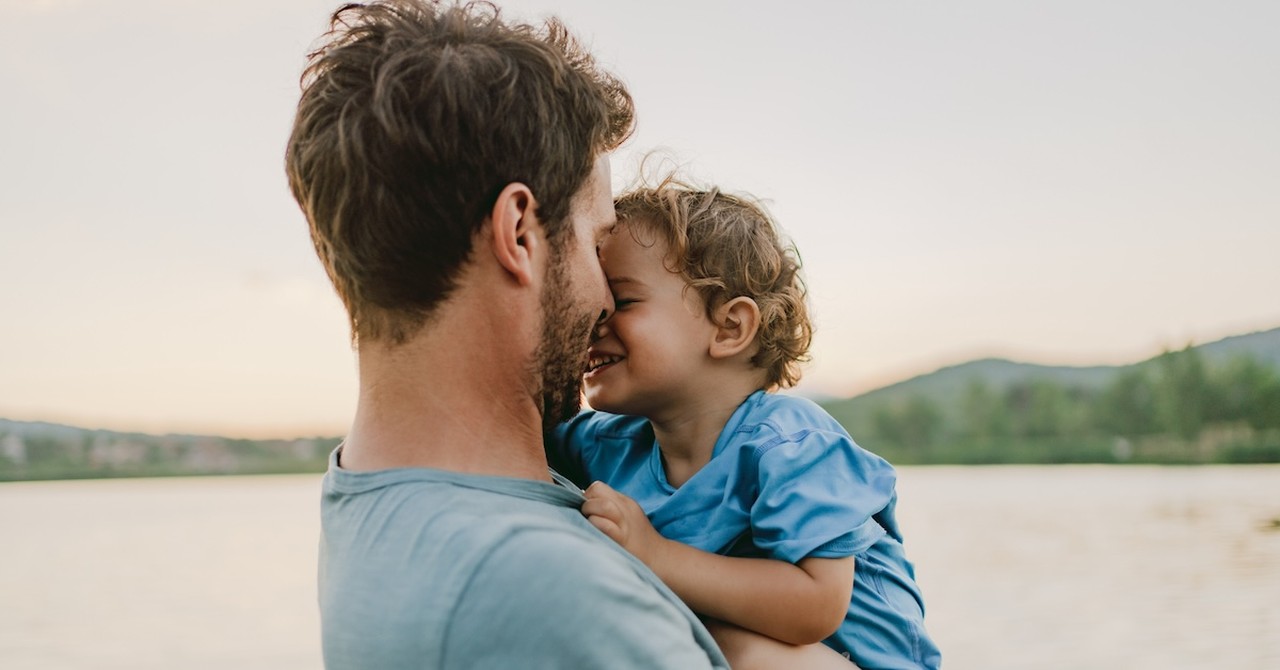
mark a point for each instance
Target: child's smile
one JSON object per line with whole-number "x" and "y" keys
{"x": 598, "y": 362}
{"x": 648, "y": 353}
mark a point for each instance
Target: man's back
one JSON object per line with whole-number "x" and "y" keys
{"x": 424, "y": 568}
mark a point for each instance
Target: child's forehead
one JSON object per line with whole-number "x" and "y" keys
{"x": 637, "y": 234}
{"x": 637, "y": 255}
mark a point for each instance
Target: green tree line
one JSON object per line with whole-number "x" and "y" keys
{"x": 76, "y": 453}
{"x": 1174, "y": 408}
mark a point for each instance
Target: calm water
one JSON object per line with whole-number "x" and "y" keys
{"x": 1022, "y": 567}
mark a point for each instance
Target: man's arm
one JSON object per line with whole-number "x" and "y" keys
{"x": 546, "y": 599}
{"x": 799, "y": 604}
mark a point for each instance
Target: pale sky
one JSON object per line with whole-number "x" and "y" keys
{"x": 1066, "y": 182}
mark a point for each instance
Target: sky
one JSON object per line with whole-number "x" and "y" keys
{"x": 1065, "y": 182}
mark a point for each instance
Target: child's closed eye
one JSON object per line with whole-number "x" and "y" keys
{"x": 620, "y": 303}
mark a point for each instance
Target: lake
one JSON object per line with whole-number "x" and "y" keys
{"x": 1022, "y": 567}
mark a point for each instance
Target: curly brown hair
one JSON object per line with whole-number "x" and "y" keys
{"x": 414, "y": 116}
{"x": 726, "y": 246}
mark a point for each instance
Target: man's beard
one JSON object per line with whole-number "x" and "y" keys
{"x": 562, "y": 353}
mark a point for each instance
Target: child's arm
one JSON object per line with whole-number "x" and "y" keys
{"x": 749, "y": 650}
{"x": 799, "y": 604}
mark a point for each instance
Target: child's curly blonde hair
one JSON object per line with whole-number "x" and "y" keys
{"x": 727, "y": 246}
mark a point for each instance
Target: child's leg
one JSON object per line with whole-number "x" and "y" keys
{"x": 748, "y": 650}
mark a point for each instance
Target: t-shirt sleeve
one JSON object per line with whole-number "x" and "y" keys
{"x": 818, "y": 492}
{"x": 550, "y": 600}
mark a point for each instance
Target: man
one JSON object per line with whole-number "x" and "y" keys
{"x": 453, "y": 171}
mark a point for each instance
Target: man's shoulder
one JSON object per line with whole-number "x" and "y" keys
{"x": 438, "y": 517}
{"x": 557, "y": 595}
{"x": 549, "y": 550}
{"x": 529, "y": 525}
{"x": 426, "y": 569}
{"x": 535, "y": 535}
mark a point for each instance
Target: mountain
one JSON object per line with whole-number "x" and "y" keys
{"x": 1000, "y": 374}
{"x": 931, "y": 403}
{"x": 41, "y": 428}
{"x": 1263, "y": 346}
{"x": 997, "y": 373}
{"x": 40, "y": 450}
{"x": 945, "y": 386}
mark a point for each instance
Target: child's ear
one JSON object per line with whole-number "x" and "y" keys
{"x": 514, "y": 230}
{"x": 737, "y": 322}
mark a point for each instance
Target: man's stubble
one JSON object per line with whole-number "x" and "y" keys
{"x": 562, "y": 353}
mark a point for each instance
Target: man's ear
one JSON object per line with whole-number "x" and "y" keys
{"x": 515, "y": 230}
{"x": 737, "y": 322}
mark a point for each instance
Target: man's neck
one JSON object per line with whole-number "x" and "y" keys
{"x": 449, "y": 399}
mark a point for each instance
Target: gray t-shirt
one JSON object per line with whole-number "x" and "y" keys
{"x": 424, "y": 568}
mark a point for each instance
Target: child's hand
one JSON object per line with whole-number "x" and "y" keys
{"x": 621, "y": 518}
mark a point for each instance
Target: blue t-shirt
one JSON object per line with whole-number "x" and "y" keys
{"x": 423, "y": 568}
{"x": 785, "y": 481}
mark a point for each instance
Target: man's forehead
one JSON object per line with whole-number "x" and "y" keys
{"x": 596, "y": 188}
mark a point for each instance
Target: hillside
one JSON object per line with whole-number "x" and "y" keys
{"x": 989, "y": 410}
{"x": 1263, "y": 346}
{"x": 974, "y": 410}
{"x": 1000, "y": 373}
{"x": 947, "y": 384}
{"x": 40, "y": 450}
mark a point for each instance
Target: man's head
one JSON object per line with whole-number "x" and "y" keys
{"x": 728, "y": 247}
{"x": 414, "y": 117}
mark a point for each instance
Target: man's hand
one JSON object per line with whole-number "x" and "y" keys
{"x": 621, "y": 518}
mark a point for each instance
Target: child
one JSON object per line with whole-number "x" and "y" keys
{"x": 757, "y": 509}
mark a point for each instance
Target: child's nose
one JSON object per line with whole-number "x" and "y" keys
{"x": 602, "y": 326}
